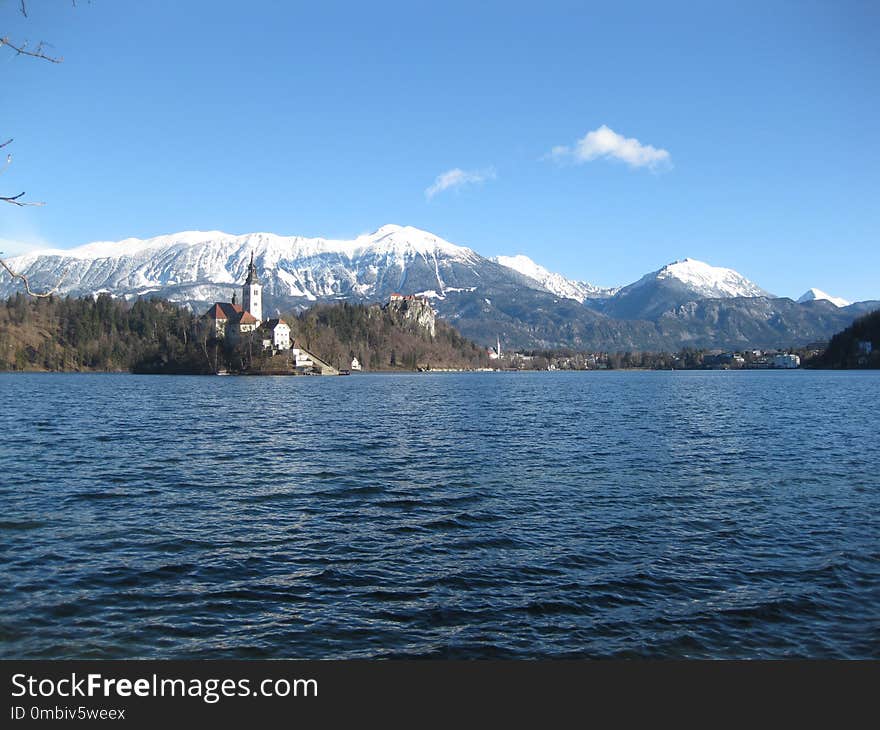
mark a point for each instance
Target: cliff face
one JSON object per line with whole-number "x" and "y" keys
{"x": 416, "y": 311}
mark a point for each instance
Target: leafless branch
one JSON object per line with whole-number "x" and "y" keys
{"x": 27, "y": 286}
{"x": 23, "y": 9}
{"x": 22, "y": 50}
{"x": 6, "y": 143}
{"x": 17, "y": 200}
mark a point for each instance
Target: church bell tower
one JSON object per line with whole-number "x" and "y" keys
{"x": 252, "y": 294}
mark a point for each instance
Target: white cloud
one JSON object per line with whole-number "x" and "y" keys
{"x": 605, "y": 142}
{"x": 456, "y": 177}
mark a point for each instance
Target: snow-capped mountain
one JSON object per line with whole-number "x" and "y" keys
{"x": 812, "y": 295}
{"x": 706, "y": 281}
{"x": 676, "y": 284}
{"x": 684, "y": 303}
{"x": 556, "y": 284}
{"x": 197, "y": 266}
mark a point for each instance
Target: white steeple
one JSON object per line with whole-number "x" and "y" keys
{"x": 252, "y": 293}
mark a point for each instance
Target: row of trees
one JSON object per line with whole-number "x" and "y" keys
{"x": 101, "y": 333}
{"x": 566, "y": 359}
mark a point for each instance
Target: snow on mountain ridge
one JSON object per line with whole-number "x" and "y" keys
{"x": 707, "y": 280}
{"x": 389, "y": 238}
{"x": 814, "y": 294}
{"x": 554, "y": 283}
{"x": 295, "y": 266}
{"x": 369, "y": 266}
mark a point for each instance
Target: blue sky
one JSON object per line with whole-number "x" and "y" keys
{"x": 753, "y": 129}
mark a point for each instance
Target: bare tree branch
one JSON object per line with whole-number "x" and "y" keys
{"x": 27, "y": 286}
{"x": 6, "y": 143}
{"x": 22, "y": 50}
{"x": 16, "y": 200}
{"x": 23, "y": 9}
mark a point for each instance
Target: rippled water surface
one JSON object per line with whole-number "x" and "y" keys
{"x": 704, "y": 514}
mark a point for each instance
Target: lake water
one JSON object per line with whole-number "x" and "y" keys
{"x": 599, "y": 514}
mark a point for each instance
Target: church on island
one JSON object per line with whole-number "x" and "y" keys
{"x": 231, "y": 322}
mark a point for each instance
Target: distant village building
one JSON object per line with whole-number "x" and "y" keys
{"x": 786, "y": 361}
{"x": 495, "y": 353}
{"x": 355, "y": 364}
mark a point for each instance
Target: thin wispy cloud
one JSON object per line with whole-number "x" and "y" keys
{"x": 604, "y": 142}
{"x": 456, "y": 178}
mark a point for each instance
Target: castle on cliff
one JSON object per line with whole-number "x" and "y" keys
{"x": 414, "y": 308}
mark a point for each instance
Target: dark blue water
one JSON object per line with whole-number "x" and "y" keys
{"x": 704, "y": 514}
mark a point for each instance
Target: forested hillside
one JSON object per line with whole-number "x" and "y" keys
{"x": 381, "y": 340}
{"x": 108, "y": 334}
{"x": 858, "y": 346}
{"x": 101, "y": 333}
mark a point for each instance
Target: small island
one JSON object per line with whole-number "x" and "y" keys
{"x": 236, "y": 338}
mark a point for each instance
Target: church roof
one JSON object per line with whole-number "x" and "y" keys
{"x": 247, "y": 318}
{"x": 224, "y": 310}
{"x": 273, "y": 323}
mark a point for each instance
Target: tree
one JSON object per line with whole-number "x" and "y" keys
{"x": 24, "y": 49}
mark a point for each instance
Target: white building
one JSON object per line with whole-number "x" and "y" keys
{"x": 355, "y": 364}
{"x": 301, "y": 358}
{"x": 786, "y": 361}
{"x": 278, "y": 334}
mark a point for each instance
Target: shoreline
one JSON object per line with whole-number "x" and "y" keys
{"x": 432, "y": 371}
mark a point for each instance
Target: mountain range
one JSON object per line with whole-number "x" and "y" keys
{"x": 683, "y": 304}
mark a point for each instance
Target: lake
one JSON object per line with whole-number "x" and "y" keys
{"x": 472, "y": 515}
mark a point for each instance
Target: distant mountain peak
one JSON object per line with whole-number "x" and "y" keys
{"x": 403, "y": 240}
{"x": 709, "y": 281}
{"x": 556, "y": 284}
{"x": 812, "y": 295}
{"x": 385, "y": 230}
